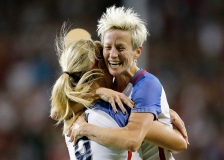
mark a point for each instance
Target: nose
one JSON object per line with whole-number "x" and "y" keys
{"x": 113, "y": 52}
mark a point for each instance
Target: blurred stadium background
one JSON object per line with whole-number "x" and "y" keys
{"x": 185, "y": 51}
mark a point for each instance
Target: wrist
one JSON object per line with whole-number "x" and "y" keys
{"x": 99, "y": 90}
{"x": 83, "y": 130}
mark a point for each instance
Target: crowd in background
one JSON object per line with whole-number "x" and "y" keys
{"x": 185, "y": 50}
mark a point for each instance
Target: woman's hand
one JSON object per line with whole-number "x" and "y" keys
{"x": 113, "y": 97}
{"x": 74, "y": 131}
{"x": 178, "y": 124}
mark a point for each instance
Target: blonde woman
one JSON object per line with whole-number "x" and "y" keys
{"x": 76, "y": 90}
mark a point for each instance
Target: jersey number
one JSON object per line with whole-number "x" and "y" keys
{"x": 83, "y": 150}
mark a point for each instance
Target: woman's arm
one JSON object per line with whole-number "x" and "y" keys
{"x": 105, "y": 94}
{"x": 163, "y": 136}
{"x": 129, "y": 137}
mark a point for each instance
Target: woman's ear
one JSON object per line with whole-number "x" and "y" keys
{"x": 138, "y": 52}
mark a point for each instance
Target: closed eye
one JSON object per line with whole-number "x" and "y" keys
{"x": 121, "y": 48}
{"x": 107, "y": 47}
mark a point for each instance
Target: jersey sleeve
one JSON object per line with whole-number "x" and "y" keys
{"x": 147, "y": 96}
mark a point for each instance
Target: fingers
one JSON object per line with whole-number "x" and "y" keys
{"x": 127, "y": 101}
{"x": 120, "y": 104}
{"x": 111, "y": 101}
{"x": 121, "y": 99}
{"x": 184, "y": 132}
{"x": 72, "y": 134}
{"x": 104, "y": 97}
{"x": 182, "y": 127}
{"x": 179, "y": 124}
{"x": 114, "y": 97}
{"x": 69, "y": 132}
{"x": 117, "y": 100}
{"x": 71, "y": 138}
{"x": 74, "y": 131}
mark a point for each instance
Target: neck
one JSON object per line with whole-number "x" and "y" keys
{"x": 122, "y": 81}
{"x": 107, "y": 81}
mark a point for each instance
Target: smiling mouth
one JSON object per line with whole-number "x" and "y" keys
{"x": 114, "y": 64}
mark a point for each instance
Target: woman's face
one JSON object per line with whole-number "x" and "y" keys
{"x": 118, "y": 53}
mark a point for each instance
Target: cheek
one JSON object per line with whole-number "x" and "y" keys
{"x": 129, "y": 61}
{"x": 105, "y": 54}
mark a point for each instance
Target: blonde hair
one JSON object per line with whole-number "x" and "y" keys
{"x": 77, "y": 81}
{"x": 124, "y": 19}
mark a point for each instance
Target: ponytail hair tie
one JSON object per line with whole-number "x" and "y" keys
{"x": 66, "y": 73}
{"x": 75, "y": 75}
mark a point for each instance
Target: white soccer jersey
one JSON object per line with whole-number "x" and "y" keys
{"x": 147, "y": 93}
{"x": 90, "y": 150}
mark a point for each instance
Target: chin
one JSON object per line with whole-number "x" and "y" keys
{"x": 113, "y": 72}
